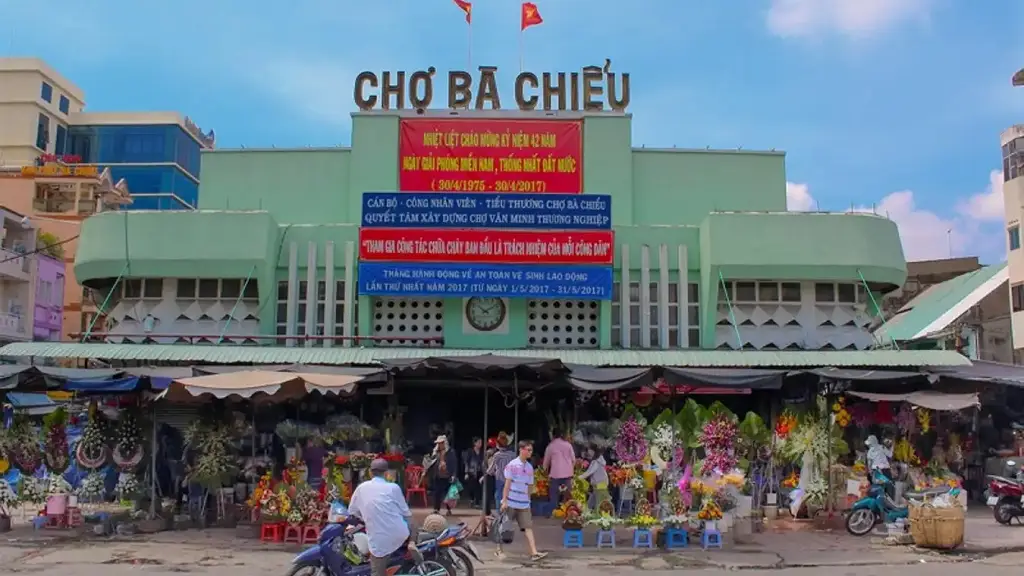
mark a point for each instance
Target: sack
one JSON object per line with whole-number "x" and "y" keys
{"x": 502, "y": 531}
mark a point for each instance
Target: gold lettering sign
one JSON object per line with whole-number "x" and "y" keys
{"x": 60, "y": 170}
{"x": 593, "y": 89}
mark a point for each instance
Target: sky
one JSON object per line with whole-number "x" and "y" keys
{"x": 891, "y": 106}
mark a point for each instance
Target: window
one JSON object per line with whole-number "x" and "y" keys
{"x": 1013, "y": 159}
{"x": 46, "y": 93}
{"x": 147, "y": 288}
{"x": 1017, "y": 297}
{"x": 1014, "y": 233}
{"x": 759, "y": 292}
{"x": 65, "y": 104}
{"x": 690, "y": 339}
{"x": 62, "y": 139}
{"x": 321, "y": 305}
{"x": 43, "y": 132}
{"x": 212, "y": 288}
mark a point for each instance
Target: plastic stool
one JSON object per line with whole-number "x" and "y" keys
{"x": 711, "y": 539}
{"x": 310, "y": 533}
{"x": 272, "y": 532}
{"x": 573, "y": 539}
{"x": 75, "y": 517}
{"x": 293, "y": 534}
{"x": 606, "y": 538}
{"x": 677, "y": 538}
{"x": 642, "y": 538}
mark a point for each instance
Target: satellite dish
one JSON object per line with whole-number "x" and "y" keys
{"x": 1018, "y": 78}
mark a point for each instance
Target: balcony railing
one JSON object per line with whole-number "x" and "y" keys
{"x": 12, "y": 326}
{"x": 15, "y": 265}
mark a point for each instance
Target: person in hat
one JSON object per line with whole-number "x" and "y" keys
{"x": 381, "y": 505}
{"x": 442, "y": 465}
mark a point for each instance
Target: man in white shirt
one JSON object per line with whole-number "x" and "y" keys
{"x": 381, "y": 505}
{"x": 515, "y": 497}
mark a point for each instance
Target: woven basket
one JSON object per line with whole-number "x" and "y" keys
{"x": 941, "y": 528}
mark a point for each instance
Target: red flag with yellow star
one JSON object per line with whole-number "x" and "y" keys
{"x": 530, "y": 16}
{"x": 466, "y": 7}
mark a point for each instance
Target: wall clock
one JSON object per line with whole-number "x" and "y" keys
{"x": 485, "y": 314}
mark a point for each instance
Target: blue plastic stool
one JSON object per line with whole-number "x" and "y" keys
{"x": 642, "y": 538}
{"x": 711, "y": 539}
{"x": 573, "y": 539}
{"x": 606, "y": 538}
{"x": 677, "y": 538}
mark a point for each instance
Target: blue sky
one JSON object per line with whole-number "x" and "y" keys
{"x": 895, "y": 105}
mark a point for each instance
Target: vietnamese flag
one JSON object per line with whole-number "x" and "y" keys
{"x": 466, "y": 7}
{"x": 530, "y": 16}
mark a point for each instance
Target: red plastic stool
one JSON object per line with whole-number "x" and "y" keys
{"x": 74, "y": 517}
{"x": 310, "y": 533}
{"x": 293, "y": 534}
{"x": 272, "y": 532}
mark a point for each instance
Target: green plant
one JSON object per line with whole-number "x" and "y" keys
{"x": 49, "y": 244}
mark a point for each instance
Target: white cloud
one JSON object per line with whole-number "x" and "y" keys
{"x": 798, "y": 197}
{"x": 850, "y": 18}
{"x": 924, "y": 234}
{"x": 986, "y": 206}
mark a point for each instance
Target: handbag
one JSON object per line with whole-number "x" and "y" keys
{"x": 502, "y": 531}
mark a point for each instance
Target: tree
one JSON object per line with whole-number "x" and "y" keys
{"x": 49, "y": 244}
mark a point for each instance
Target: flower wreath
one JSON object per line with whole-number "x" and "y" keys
{"x": 127, "y": 462}
{"x": 91, "y": 459}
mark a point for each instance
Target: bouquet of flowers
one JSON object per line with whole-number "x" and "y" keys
{"x": 56, "y": 441}
{"x": 58, "y": 486}
{"x": 642, "y": 518}
{"x": 841, "y": 413}
{"x": 709, "y": 510}
{"x": 631, "y": 446}
{"x": 677, "y": 521}
{"x": 603, "y": 522}
{"x": 8, "y": 499}
{"x": 32, "y": 490}
{"x": 127, "y": 486}
{"x": 261, "y": 489}
{"x": 295, "y": 517}
{"x": 573, "y": 516}
{"x": 791, "y": 481}
{"x": 21, "y": 446}
{"x": 359, "y": 460}
{"x": 785, "y": 425}
{"x": 905, "y": 420}
{"x": 91, "y": 487}
{"x": 924, "y": 418}
{"x": 718, "y": 438}
{"x": 91, "y": 450}
{"x": 620, "y": 475}
{"x": 128, "y": 450}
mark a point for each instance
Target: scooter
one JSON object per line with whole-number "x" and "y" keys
{"x": 454, "y": 544}
{"x": 1006, "y": 495}
{"x": 877, "y": 506}
{"x": 341, "y": 551}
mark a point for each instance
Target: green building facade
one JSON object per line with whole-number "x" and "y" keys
{"x": 706, "y": 256}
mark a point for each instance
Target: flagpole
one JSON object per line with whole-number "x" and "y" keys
{"x": 520, "y": 50}
{"x": 470, "y": 51}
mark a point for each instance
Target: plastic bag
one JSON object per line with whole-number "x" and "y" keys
{"x": 502, "y": 531}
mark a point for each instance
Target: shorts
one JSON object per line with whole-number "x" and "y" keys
{"x": 522, "y": 516}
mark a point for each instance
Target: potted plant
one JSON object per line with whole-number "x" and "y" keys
{"x": 8, "y": 500}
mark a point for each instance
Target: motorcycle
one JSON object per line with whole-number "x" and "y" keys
{"x": 454, "y": 544}
{"x": 342, "y": 549}
{"x": 1006, "y": 495}
{"x": 878, "y": 507}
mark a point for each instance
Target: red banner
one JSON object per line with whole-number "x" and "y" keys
{"x": 462, "y": 155}
{"x": 485, "y": 246}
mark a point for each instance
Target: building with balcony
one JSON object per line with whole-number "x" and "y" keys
{"x": 1012, "y": 141}
{"x": 25, "y": 275}
{"x": 155, "y": 153}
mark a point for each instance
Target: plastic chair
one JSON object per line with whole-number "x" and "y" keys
{"x": 677, "y": 538}
{"x": 414, "y": 484}
{"x": 711, "y": 538}
{"x": 573, "y": 539}
{"x": 272, "y": 532}
{"x": 606, "y": 538}
{"x": 642, "y": 538}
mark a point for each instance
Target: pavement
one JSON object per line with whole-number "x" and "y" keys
{"x": 793, "y": 548}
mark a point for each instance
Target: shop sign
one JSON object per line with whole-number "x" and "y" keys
{"x": 488, "y": 280}
{"x": 208, "y": 139}
{"x": 485, "y": 246}
{"x": 515, "y": 211}
{"x": 60, "y": 170}
{"x": 54, "y": 158}
{"x": 492, "y": 155}
{"x": 593, "y": 89}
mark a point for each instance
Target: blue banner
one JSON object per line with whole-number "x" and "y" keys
{"x": 458, "y": 210}
{"x": 489, "y": 280}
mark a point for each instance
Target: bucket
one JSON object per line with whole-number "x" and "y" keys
{"x": 56, "y": 505}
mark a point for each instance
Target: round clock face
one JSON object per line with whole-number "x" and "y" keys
{"x": 485, "y": 314}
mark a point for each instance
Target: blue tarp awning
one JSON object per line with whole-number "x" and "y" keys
{"x": 29, "y": 400}
{"x": 125, "y": 384}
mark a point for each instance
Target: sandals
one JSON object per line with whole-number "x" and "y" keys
{"x": 538, "y": 556}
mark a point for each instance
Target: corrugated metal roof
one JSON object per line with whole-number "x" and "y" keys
{"x": 920, "y": 316}
{"x": 369, "y": 356}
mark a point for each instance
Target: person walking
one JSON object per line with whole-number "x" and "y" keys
{"x": 496, "y": 469}
{"x": 515, "y": 497}
{"x": 597, "y": 473}
{"x": 442, "y": 464}
{"x": 381, "y": 505}
{"x": 473, "y": 471}
{"x": 559, "y": 461}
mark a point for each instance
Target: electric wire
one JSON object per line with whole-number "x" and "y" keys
{"x": 40, "y": 249}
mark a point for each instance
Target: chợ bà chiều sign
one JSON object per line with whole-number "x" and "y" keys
{"x": 593, "y": 89}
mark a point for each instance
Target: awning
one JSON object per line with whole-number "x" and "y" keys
{"x": 985, "y": 372}
{"x": 591, "y": 378}
{"x": 925, "y": 399}
{"x": 741, "y": 378}
{"x": 480, "y": 366}
{"x": 864, "y": 375}
{"x": 123, "y": 384}
{"x": 29, "y": 400}
{"x": 9, "y": 375}
{"x": 249, "y": 383}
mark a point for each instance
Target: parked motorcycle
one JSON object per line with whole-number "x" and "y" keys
{"x": 878, "y": 507}
{"x": 454, "y": 544}
{"x": 1006, "y": 494}
{"x": 342, "y": 549}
